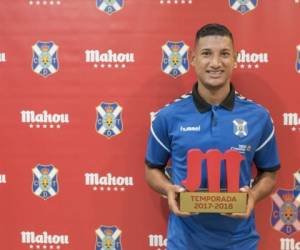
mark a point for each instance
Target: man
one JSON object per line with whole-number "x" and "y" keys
{"x": 212, "y": 116}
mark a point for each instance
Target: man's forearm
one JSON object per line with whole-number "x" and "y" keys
{"x": 157, "y": 180}
{"x": 263, "y": 185}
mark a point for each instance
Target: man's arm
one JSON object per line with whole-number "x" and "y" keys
{"x": 158, "y": 181}
{"x": 267, "y": 162}
{"x": 262, "y": 187}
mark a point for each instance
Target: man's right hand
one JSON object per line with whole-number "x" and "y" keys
{"x": 173, "y": 195}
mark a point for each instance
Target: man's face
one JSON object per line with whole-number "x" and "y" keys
{"x": 214, "y": 59}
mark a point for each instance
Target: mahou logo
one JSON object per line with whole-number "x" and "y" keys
{"x": 249, "y": 60}
{"x": 44, "y": 240}
{"x": 2, "y": 57}
{"x": 108, "y": 182}
{"x": 109, "y": 59}
{"x": 44, "y": 119}
{"x": 289, "y": 244}
{"x": 177, "y": 2}
{"x": 292, "y": 121}
{"x": 157, "y": 241}
{"x": 45, "y": 2}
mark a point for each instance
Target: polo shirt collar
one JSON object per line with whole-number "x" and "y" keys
{"x": 203, "y": 106}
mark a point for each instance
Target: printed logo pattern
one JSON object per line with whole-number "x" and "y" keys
{"x": 2, "y": 179}
{"x": 108, "y": 238}
{"x": 243, "y": 6}
{"x": 45, "y": 181}
{"x": 108, "y": 59}
{"x": 249, "y": 61}
{"x": 291, "y": 120}
{"x": 157, "y": 241}
{"x": 45, "y": 2}
{"x": 110, "y": 6}
{"x": 44, "y": 240}
{"x": 175, "y": 58}
{"x": 108, "y": 182}
{"x": 286, "y": 209}
{"x": 298, "y": 59}
{"x": 45, "y": 60}
{"x": 43, "y": 119}
{"x": 2, "y": 57}
{"x": 109, "y": 119}
{"x": 177, "y": 2}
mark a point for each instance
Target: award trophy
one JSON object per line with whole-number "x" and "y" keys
{"x": 213, "y": 201}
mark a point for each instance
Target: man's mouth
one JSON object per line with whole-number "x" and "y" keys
{"x": 215, "y": 73}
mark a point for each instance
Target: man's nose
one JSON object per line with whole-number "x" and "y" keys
{"x": 215, "y": 61}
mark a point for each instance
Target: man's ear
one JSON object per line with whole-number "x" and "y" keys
{"x": 235, "y": 58}
{"x": 193, "y": 56}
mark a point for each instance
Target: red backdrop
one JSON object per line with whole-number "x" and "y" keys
{"x": 266, "y": 37}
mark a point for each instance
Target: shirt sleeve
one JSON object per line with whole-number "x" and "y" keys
{"x": 266, "y": 154}
{"x": 158, "y": 147}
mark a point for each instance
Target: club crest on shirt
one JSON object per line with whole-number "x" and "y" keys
{"x": 45, "y": 181}
{"x": 175, "y": 58}
{"x": 243, "y": 6}
{"x": 110, "y": 6}
{"x": 109, "y": 119}
{"x": 286, "y": 212}
{"x": 240, "y": 128}
{"x": 298, "y": 59}
{"x": 45, "y": 58}
{"x": 108, "y": 238}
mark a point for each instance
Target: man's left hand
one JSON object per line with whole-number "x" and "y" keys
{"x": 250, "y": 205}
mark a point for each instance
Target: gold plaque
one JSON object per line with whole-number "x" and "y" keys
{"x": 208, "y": 202}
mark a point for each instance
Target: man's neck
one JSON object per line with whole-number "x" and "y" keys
{"x": 213, "y": 96}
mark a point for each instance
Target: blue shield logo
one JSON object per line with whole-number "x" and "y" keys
{"x": 297, "y": 184}
{"x": 243, "y": 6}
{"x": 175, "y": 58}
{"x": 108, "y": 238}
{"x": 298, "y": 59}
{"x": 109, "y": 119}
{"x": 286, "y": 212}
{"x": 45, "y": 181}
{"x": 110, "y": 6}
{"x": 240, "y": 128}
{"x": 44, "y": 59}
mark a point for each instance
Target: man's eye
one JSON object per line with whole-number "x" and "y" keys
{"x": 226, "y": 54}
{"x": 205, "y": 53}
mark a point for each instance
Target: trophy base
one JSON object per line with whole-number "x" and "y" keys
{"x": 208, "y": 202}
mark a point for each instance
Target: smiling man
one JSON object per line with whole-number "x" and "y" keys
{"x": 212, "y": 116}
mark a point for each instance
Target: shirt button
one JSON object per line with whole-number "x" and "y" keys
{"x": 214, "y": 122}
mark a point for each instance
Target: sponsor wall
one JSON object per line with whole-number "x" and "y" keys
{"x": 78, "y": 82}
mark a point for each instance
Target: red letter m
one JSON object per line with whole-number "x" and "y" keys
{"x": 213, "y": 158}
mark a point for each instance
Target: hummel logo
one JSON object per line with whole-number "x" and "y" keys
{"x": 190, "y": 129}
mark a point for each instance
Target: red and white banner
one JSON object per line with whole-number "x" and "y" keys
{"x": 78, "y": 82}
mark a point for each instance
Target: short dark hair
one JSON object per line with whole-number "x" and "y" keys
{"x": 213, "y": 29}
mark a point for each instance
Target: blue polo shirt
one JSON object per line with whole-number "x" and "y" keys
{"x": 191, "y": 123}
